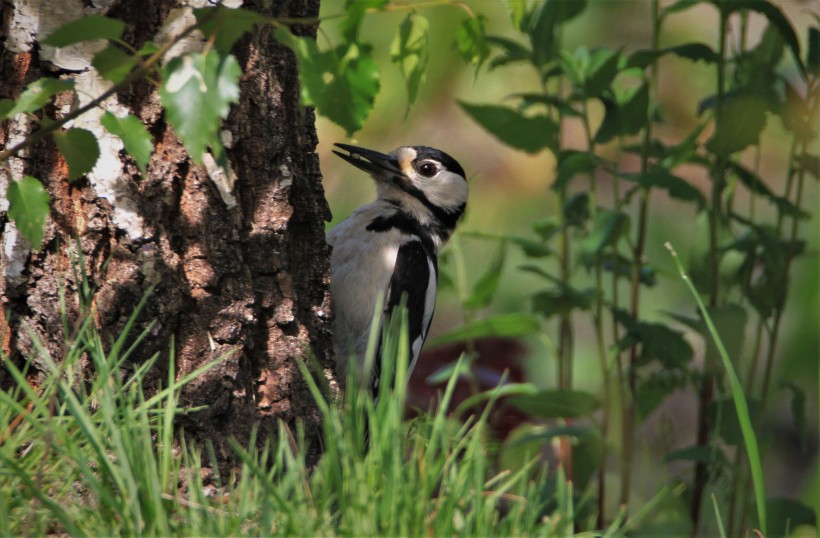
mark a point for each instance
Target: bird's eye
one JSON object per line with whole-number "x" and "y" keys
{"x": 427, "y": 169}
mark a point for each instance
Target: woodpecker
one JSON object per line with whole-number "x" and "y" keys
{"x": 389, "y": 247}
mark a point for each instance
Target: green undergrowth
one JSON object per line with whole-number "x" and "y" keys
{"x": 90, "y": 451}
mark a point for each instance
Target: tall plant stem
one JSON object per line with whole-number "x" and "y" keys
{"x": 598, "y": 321}
{"x": 707, "y": 388}
{"x": 628, "y": 409}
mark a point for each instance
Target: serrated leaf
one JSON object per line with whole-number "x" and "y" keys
{"x": 656, "y": 388}
{"x": 499, "y": 325}
{"x": 775, "y": 17}
{"x": 136, "y": 139}
{"x": 113, "y": 64}
{"x": 658, "y": 342}
{"x": 600, "y": 71}
{"x": 529, "y": 133}
{"x": 38, "y": 94}
{"x": 408, "y": 51}
{"x": 226, "y": 25}
{"x": 80, "y": 150}
{"x": 677, "y": 187}
{"x": 696, "y": 52}
{"x": 85, "y": 29}
{"x": 471, "y": 41}
{"x": 738, "y": 124}
{"x": 28, "y": 208}
{"x": 487, "y": 284}
{"x": 197, "y": 91}
{"x": 560, "y": 300}
{"x": 341, "y": 83}
{"x": 556, "y": 403}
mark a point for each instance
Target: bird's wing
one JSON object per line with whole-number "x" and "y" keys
{"x": 414, "y": 277}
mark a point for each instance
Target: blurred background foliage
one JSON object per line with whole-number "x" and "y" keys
{"x": 510, "y": 190}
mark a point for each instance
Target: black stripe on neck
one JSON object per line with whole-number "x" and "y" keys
{"x": 447, "y": 218}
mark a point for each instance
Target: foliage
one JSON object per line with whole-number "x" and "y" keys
{"x": 97, "y": 456}
{"x": 589, "y": 257}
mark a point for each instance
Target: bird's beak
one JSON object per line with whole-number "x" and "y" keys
{"x": 374, "y": 163}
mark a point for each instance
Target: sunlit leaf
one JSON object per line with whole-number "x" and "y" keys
{"x": 226, "y": 25}
{"x": 80, "y": 150}
{"x": 113, "y": 64}
{"x": 85, "y": 29}
{"x": 197, "y": 91}
{"x": 341, "y": 83}
{"x": 134, "y": 136}
{"x": 38, "y": 94}
{"x": 471, "y": 41}
{"x": 28, "y": 208}
{"x": 408, "y": 51}
{"x": 354, "y": 11}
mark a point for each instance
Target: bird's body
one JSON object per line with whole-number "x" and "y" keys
{"x": 388, "y": 248}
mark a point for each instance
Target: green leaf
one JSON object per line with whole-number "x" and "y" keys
{"x": 517, "y": 9}
{"x": 487, "y": 284}
{"x": 625, "y": 117}
{"x": 408, "y": 51}
{"x": 38, "y": 94}
{"x": 661, "y": 178}
{"x": 530, "y": 247}
{"x": 755, "y": 184}
{"x": 658, "y": 342}
{"x": 512, "y": 51}
{"x": 499, "y": 325}
{"x": 354, "y": 14}
{"x": 134, "y": 136}
{"x": 556, "y": 403}
{"x": 696, "y": 52}
{"x": 113, "y": 64}
{"x": 775, "y": 17}
{"x": 226, "y": 25}
{"x": 599, "y": 73}
{"x": 85, "y": 29}
{"x": 560, "y": 299}
{"x": 197, "y": 91}
{"x": 471, "y": 41}
{"x": 607, "y": 230}
{"x": 80, "y": 150}
{"x": 738, "y": 124}
{"x": 572, "y": 163}
{"x": 622, "y": 266}
{"x": 544, "y": 19}
{"x": 28, "y": 208}
{"x": 341, "y": 83}
{"x": 531, "y": 134}
{"x": 655, "y": 389}
{"x": 680, "y": 5}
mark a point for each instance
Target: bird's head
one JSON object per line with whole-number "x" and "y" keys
{"x": 425, "y": 181}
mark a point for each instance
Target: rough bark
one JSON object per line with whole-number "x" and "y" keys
{"x": 242, "y": 270}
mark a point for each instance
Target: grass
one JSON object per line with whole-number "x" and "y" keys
{"x": 89, "y": 453}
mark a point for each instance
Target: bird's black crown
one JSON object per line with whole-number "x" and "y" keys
{"x": 426, "y": 152}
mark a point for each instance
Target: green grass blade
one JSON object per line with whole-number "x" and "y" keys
{"x": 749, "y": 439}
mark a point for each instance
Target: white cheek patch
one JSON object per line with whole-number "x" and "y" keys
{"x": 448, "y": 190}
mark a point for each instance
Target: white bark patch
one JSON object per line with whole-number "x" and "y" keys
{"x": 107, "y": 177}
{"x": 15, "y": 253}
{"x": 222, "y": 178}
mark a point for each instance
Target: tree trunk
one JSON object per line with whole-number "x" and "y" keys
{"x": 240, "y": 269}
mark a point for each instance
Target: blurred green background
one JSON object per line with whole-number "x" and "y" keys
{"x": 510, "y": 191}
